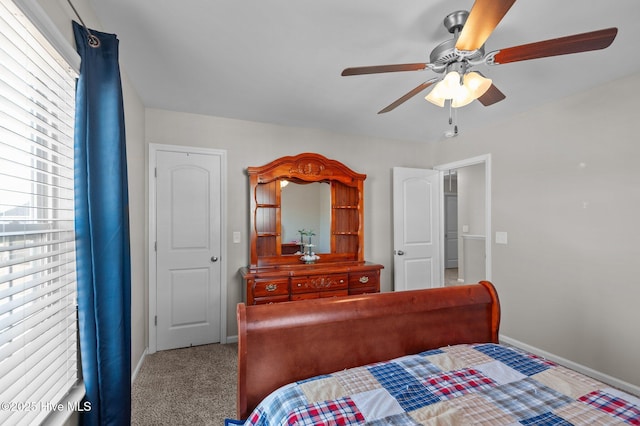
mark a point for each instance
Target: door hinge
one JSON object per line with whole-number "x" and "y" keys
{"x": 155, "y": 172}
{"x": 156, "y": 320}
{"x": 155, "y": 246}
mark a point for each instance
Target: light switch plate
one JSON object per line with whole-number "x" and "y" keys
{"x": 236, "y": 237}
{"x": 501, "y": 238}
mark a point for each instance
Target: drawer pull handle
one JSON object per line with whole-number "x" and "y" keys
{"x": 271, "y": 287}
{"x": 364, "y": 279}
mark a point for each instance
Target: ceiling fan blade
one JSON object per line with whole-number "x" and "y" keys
{"x": 408, "y": 96}
{"x": 594, "y": 40}
{"x": 491, "y": 96}
{"x": 375, "y": 69}
{"x": 483, "y": 19}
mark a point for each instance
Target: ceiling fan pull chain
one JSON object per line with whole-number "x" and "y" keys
{"x": 455, "y": 122}
{"x": 453, "y": 116}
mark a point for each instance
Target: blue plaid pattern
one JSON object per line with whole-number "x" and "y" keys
{"x": 431, "y": 352}
{"x": 404, "y": 387}
{"x": 396, "y": 420}
{"x": 393, "y": 377}
{"x": 418, "y": 366}
{"x": 514, "y": 359}
{"x": 526, "y": 398}
{"x": 546, "y": 419}
{"x": 277, "y": 406}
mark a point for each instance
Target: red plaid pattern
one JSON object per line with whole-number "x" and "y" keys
{"x": 458, "y": 382}
{"x": 613, "y": 405}
{"x": 338, "y": 412}
{"x": 254, "y": 418}
{"x": 542, "y": 360}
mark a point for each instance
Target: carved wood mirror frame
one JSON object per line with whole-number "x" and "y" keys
{"x": 347, "y": 208}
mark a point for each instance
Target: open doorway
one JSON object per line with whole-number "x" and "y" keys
{"x": 466, "y": 228}
{"x": 451, "y": 244}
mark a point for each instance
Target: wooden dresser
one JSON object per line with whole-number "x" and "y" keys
{"x": 306, "y": 204}
{"x": 298, "y": 282}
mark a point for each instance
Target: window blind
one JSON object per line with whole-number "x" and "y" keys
{"x": 38, "y": 326}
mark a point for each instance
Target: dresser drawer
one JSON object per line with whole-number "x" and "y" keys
{"x": 320, "y": 294}
{"x": 275, "y": 284}
{"x": 334, "y": 293}
{"x": 269, "y": 300}
{"x": 369, "y": 279}
{"x": 363, "y": 290}
{"x": 314, "y": 283}
{"x": 305, "y": 296}
{"x": 268, "y": 288}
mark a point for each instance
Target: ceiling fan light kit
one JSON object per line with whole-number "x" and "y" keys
{"x": 460, "y": 90}
{"x": 456, "y": 57}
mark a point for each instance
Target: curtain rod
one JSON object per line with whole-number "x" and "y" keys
{"x": 93, "y": 40}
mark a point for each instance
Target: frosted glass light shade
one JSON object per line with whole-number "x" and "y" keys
{"x": 435, "y": 98}
{"x": 477, "y": 84}
{"x": 474, "y": 85}
{"x": 447, "y": 88}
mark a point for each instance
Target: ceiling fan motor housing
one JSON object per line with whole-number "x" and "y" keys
{"x": 455, "y": 21}
{"x": 445, "y": 53}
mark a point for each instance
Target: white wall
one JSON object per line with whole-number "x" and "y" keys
{"x": 471, "y": 213}
{"x": 471, "y": 199}
{"x": 566, "y": 188}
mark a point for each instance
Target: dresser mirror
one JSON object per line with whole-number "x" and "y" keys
{"x": 306, "y": 219}
{"x": 305, "y": 207}
{"x": 308, "y": 192}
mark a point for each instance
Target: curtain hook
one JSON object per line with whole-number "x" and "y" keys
{"x": 93, "y": 40}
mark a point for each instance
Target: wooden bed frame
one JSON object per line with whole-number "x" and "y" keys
{"x": 286, "y": 342}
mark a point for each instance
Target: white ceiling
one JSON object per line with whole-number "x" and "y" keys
{"x": 279, "y": 61}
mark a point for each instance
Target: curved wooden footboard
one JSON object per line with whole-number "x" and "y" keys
{"x": 286, "y": 342}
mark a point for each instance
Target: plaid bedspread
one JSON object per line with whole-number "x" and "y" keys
{"x": 483, "y": 384}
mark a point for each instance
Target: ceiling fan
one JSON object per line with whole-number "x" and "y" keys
{"x": 455, "y": 58}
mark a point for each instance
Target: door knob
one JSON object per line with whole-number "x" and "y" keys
{"x": 214, "y": 259}
{"x": 400, "y": 252}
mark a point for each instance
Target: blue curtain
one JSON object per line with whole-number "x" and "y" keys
{"x": 102, "y": 232}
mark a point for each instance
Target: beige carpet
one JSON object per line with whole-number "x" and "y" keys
{"x": 191, "y": 386}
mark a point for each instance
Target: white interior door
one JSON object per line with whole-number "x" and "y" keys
{"x": 188, "y": 239}
{"x": 416, "y": 229}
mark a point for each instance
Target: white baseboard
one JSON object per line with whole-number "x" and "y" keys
{"x": 605, "y": 378}
{"x": 232, "y": 339}
{"x": 135, "y": 372}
